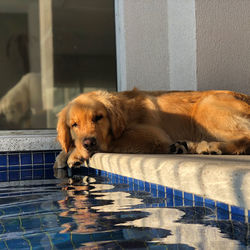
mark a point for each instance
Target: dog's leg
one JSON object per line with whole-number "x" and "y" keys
{"x": 241, "y": 146}
{"x": 61, "y": 160}
{"x": 71, "y": 159}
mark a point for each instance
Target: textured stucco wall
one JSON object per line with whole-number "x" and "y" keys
{"x": 223, "y": 44}
{"x": 183, "y": 44}
{"x": 156, "y": 47}
{"x": 143, "y": 34}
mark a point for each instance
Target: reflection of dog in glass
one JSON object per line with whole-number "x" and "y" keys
{"x": 20, "y": 102}
{"x": 203, "y": 122}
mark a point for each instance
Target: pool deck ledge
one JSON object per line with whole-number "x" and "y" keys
{"x": 221, "y": 178}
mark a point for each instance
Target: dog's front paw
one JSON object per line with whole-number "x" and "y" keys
{"x": 61, "y": 160}
{"x": 77, "y": 162}
{"x": 180, "y": 147}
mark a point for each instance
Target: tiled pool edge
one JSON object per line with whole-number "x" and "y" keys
{"x": 174, "y": 198}
{"x": 21, "y": 167}
{"x": 221, "y": 178}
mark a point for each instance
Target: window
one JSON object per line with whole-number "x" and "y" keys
{"x": 51, "y": 51}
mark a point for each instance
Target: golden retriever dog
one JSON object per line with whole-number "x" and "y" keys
{"x": 194, "y": 122}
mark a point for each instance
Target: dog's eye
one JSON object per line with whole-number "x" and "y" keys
{"x": 97, "y": 118}
{"x": 74, "y": 125}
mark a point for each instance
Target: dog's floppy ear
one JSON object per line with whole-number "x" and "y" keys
{"x": 117, "y": 120}
{"x": 63, "y": 131}
{"x": 116, "y": 115}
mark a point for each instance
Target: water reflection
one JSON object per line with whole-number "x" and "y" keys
{"x": 118, "y": 219}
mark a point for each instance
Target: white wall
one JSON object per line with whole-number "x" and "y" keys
{"x": 223, "y": 44}
{"x": 183, "y": 44}
{"x": 142, "y": 44}
{"x": 156, "y": 44}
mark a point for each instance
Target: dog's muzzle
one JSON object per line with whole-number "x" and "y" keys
{"x": 90, "y": 144}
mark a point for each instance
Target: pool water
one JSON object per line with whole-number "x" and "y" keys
{"x": 92, "y": 211}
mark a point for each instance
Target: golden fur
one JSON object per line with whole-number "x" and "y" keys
{"x": 205, "y": 122}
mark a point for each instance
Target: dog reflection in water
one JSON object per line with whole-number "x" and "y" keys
{"x": 77, "y": 204}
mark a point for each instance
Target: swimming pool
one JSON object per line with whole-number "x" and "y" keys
{"x": 102, "y": 210}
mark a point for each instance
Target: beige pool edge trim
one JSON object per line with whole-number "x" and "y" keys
{"x": 220, "y": 178}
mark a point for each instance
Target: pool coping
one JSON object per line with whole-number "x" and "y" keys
{"x": 221, "y": 178}
{"x": 28, "y": 140}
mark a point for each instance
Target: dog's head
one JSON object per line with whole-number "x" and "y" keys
{"x": 90, "y": 122}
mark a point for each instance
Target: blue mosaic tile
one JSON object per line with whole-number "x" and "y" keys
{"x": 188, "y": 199}
{"x": 113, "y": 177}
{"x": 38, "y": 166}
{"x": 141, "y": 185}
{"x": 3, "y": 176}
{"x": 18, "y": 243}
{"x": 26, "y": 167}
{"x": 222, "y": 211}
{"x": 26, "y": 175}
{"x": 3, "y": 159}
{"x": 154, "y": 190}
{"x": 49, "y": 157}
{"x": 125, "y": 180}
{"x": 238, "y": 213}
{"x": 130, "y": 180}
{"x": 49, "y": 174}
{"x": 155, "y": 205}
{"x": 116, "y": 179}
{"x": 109, "y": 176}
{"x": 36, "y": 240}
{"x": 178, "y": 201}
{"x": 37, "y": 158}
{"x": 237, "y": 210}
{"x": 14, "y": 175}
{"x": 170, "y": 197}
{"x": 161, "y": 191}
{"x": 162, "y": 204}
{"x": 2, "y": 244}
{"x": 198, "y": 201}
{"x": 15, "y": 167}
{"x": 26, "y": 158}
{"x": 147, "y": 187}
{"x": 3, "y": 168}
{"x": 13, "y": 159}
{"x": 38, "y": 174}
{"x": 130, "y": 184}
{"x": 120, "y": 179}
{"x": 136, "y": 182}
{"x": 136, "y": 187}
{"x": 238, "y": 217}
{"x": 222, "y": 205}
{"x": 49, "y": 166}
{"x": 210, "y": 203}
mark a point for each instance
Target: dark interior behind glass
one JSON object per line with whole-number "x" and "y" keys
{"x": 82, "y": 57}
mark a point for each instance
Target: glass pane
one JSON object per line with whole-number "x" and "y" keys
{"x": 50, "y": 52}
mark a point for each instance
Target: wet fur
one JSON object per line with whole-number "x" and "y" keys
{"x": 206, "y": 122}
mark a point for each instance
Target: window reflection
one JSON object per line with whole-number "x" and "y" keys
{"x": 51, "y": 51}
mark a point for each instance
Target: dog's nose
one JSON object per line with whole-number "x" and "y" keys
{"x": 89, "y": 143}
